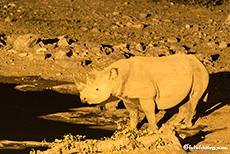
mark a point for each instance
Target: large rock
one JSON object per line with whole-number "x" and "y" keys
{"x": 22, "y": 43}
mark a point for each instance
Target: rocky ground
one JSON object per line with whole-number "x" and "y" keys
{"x": 43, "y": 43}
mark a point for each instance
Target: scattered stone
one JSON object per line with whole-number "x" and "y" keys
{"x": 59, "y": 74}
{"x": 120, "y": 46}
{"x": 12, "y": 51}
{"x": 11, "y": 5}
{"x": 139, "y": 26}
{"x": 24, "y": 42}
{"x": 41, "y": 50}
{"x": 2, "y": 40}
{"x": 129, "y": 24}
{"x": 204, "y": 58}
{"x": 107, "y": 50}
{"x": 60, "y": 54}
{"x": 68, "y": 63}
{"x": 116, "y": 13}
{"x": 62, "y": 41}
{"x": 188, "y": 26}
{"x": 212, "y": 44}
{"x": 126, "y": 17}
{"x": 84, "y": 29}
{"x": 23, "y": 54}
{"x": 172, "y": 40}
{"x": 36, "y": 56}
{"x": 149, "y": 48}
{"x": 8, "y": 19}
{"x": 119, "y": 24}
{"x": 175, "y": 48}
{"x": 95, "y": 30}
{"x": 96, "y": 49}
{"x": 139, "y": 47}
{"x": 223, "y": 45}
{"x": 107, "y": 33}
{"x": 168, "y": 21}
{"x": 227, "y": 21}
{"x": 155, "y": 20}
{"x": 86, "y": 62}
{"x": 114, "y": 26}
{"x": 144, "y": 15}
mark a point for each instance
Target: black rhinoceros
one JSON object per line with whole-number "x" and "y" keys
{"x": 151, "y": 82}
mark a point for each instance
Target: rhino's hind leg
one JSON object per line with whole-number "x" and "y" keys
{"x": 148, "y": 106}
{"x": 199, "y": 87}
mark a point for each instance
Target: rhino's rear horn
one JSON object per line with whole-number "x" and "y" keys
{"x": 80, "y": 85}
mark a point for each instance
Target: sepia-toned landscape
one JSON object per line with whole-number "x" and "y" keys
{"x": 47, "y": 46}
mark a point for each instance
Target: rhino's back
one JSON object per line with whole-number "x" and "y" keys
{"x": 169, "y": 79}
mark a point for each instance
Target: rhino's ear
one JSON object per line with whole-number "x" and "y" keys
{"x": 113, "y": 73}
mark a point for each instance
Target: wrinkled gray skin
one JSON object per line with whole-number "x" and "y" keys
{"x": 151, "y": 82}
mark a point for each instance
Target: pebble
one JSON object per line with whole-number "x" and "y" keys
{"x": 36, "y": 56}
{"x": 143, "y": 15}
{"x": 139, "y": 26}
{"x": 114, "y": 26}
{"x": 172, "y": 40}
{"x": 95, "y": 30}
{"x": 8, "y": 19}
{"x": 126, "y": 17}
{"x": 139, "y": 47}
{"x": 116, "y": 13}
{"x": 62, "y": 41}
{"x": 60, "y": 55}
{"x": 107, "y": 33}
{"x": 84, "y": 29}
{"x": 223, "y": 45}
{"x": 188, "y": 26}
{"x": 211, "y": 44}
{"x": 227, "y": 21}
{"x": 41, "y": 50}
{"x": 25, "y": 42}
{"x": 59, "y": 74}
{"x": 23, "y": 54}
{"x": 129, "y": 24}
{"x": 12, "y": 51}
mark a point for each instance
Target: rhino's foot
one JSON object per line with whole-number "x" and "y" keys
{"x": 185, "y": 125}
{"x": 166, "y": 128}
{"x": 153, "y": 129}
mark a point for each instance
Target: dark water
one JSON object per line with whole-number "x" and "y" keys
{"x": 20, "y": 111}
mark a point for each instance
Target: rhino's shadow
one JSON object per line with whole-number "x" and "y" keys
{"x": 219, "y": 93}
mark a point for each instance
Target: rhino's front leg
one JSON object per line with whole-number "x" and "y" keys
{"x": 148, "y": 106}
{"x": 133, "y": 112}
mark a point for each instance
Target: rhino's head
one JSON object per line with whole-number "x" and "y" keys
{"x": 99, "y": 89}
